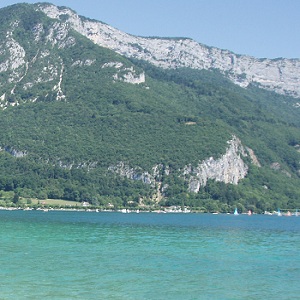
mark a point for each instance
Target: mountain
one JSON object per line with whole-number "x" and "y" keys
{"x": 93, "y": 114}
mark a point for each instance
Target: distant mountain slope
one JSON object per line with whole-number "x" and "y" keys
{"x": 82, "y": 122}
{"x": 280, "y": 75}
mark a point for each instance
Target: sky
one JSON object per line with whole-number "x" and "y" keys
{"x": 260, "y": 28}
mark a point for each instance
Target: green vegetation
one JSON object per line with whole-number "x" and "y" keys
{"x": 177, "y": 117}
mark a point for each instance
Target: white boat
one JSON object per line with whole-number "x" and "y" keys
{"x": 235, "y": 212}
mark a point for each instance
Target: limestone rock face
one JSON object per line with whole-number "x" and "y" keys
{"x": 279, "y": 75}
{"x": 229, "y": 168}
{"x": 14, "y": 152}
{"x": 128, "y": 75}
{"x": 133, "y": 173}
{"x": 24, "y": 70}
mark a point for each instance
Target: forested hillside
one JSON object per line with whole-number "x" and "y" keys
{"x": 80, "y": 122}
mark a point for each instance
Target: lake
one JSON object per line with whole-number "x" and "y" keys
{"x": 107, "y": 255}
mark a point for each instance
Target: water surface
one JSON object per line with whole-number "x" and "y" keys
{"x": 89, "y": 255}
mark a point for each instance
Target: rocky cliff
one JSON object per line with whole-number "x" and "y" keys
{"x": 229, "y": 168}
{"x": 279, "y": 75}
{"x": 24, "y": 68}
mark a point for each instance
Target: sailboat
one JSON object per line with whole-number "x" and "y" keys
{"x": 279, "y": 214}
{"x": 235, "y": 212}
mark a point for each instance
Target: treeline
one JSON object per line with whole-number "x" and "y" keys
{"x": 263, "y": 189}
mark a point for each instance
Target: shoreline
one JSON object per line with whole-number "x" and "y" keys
{"x": 137, "y": 211}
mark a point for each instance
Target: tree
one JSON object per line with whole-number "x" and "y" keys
{"x": 16, "y": 198}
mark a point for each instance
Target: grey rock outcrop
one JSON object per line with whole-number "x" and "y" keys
{"x": 229, "y": 168}
{"x": 136, "y": 173}
{"x": 14, "y": 152}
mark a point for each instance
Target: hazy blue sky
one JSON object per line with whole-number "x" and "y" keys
{"x": 261, "y": 28}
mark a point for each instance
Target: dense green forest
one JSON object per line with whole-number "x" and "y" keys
{"x": 62, "y": 149}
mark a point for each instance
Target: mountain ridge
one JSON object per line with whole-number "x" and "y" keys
{"x": 280, "y": 75}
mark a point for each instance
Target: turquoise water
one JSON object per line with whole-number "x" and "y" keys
{"x": 89, "y": 255}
